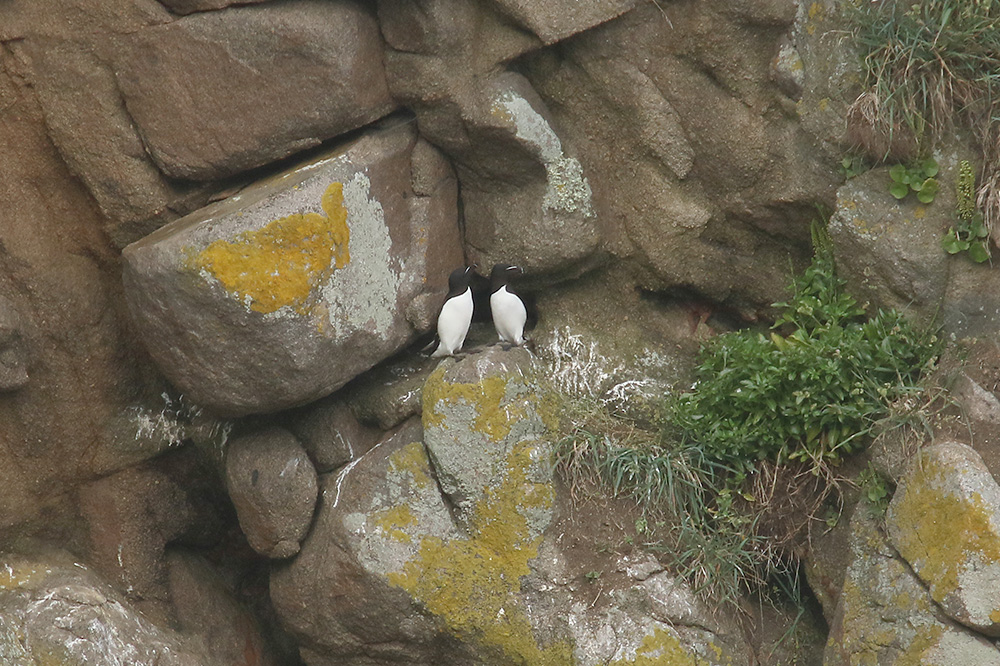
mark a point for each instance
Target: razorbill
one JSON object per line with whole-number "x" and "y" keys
{"x": 509, "y": 313}
{"x": 456, "y": 313}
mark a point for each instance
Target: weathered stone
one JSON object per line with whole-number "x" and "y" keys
{"x": 206, "y": 607}
{"x": 890, "y": 251}
{"x": 788, "y": 71}
{"x": 13, "y": 352}
{"x": 389, "y": 393}
{"x": 55, "y": 610}
{"x": 971, "y": 305}
{"x": 260, "y": 82}
{"x": 977, "y": 403}
{"x": 392, "y": 572}
{"x": 943, "y": 521}
{"x": 678, "y": 192}
{"x": 190, "y": 6}
{"x": 885, "y": 615}
{"x": 59, "y": 273}
{"x": 554, "y": 21}
{"x": 273, "y": 486}
{"x": 330, "y": 433}
{"x": 337, "y": 596}
{"x": 96, "y": 137}
{"x": 525, "y": 194}
{"x": 475, "y": 417}
{"x": 284, "y": 292}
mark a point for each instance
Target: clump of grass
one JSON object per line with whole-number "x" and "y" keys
{"x": 931, "y": 66}
{"x": 744, "y": 463}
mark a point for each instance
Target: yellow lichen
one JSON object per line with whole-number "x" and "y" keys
{"x": 280, "y": 264}
{"x": 412, "y": 459}
{"x": 944, "y": 532}
{"x": 19, "y": 574}
{"x": 473, "y": 583}
{"x": 485, "y": 396}
{"x": 394, "y": 521}
{"x": 924, "y": 640}
{"x": 661, "y": 648}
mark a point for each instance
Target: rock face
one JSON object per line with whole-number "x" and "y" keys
{"x": 526, "y": 196}
{"x": 943, "y": 522}
{"x": 284, "y": 292}
{"x": 885, "y": 615}
{"x": 202, "y": 125}
{"x": 432, "y": 548}
{"x": 891, "y": 251}
{"x": 54, "y": 610}
{"x": 273, "y": 485}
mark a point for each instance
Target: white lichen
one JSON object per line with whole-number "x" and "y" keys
{"x": 362, "y": 295}
{"x": 568, "y": 190}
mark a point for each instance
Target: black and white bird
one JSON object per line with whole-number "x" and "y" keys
{"x": 456, "y": 313}
{"x": 509, "y": 313}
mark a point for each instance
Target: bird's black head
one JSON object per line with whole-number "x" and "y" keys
{"x": 502, "y": 274}
{"x": 459, "y": 279}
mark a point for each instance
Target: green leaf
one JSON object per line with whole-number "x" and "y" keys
{"x": 925, "y": 196}
{"x": 978, "y": 252}
{"x": 897, "y": 173}
{"x": 930, "y": 167}
{"x": 899, "y": 190}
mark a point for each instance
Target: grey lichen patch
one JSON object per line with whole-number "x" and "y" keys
{"x": 370, "y": 278}
{"x": 568, "y": 190}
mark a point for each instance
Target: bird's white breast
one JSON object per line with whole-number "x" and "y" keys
{"x": 509, "y": 315}
{"x": 454, "y": 321}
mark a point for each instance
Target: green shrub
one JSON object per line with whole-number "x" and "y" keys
{"x": 810, "y": 394}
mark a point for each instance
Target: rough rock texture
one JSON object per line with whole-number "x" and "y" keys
{"x": 526, "y": 197}
{"x": 469, "y": 575}
{"x": 677, "y": 190}
{"x": 273, "y": 485}
{"x": 189, "y": 6}
{"x": 287, "y": 290}
{"x": 54, "y": 610}
{"x": 886, "y": 616}
{"x": 553, "y": 21}
{"x": 889, "y": 251}
{"x": 313, "y": 69}
{"x": 207, "y": 608}
{"x": 331, "y": 433}
{"x": 14, "y": 358}
{"x": 944, "y": 523}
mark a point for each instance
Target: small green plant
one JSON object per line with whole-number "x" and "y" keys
{"x": 969, "y": 233}
{"x": 592, "y": 576}
{"x": 918, "y": 178}
{"x": 932, "y": 65}
{"x": 875, "y": 487}
{"x": 852, "y": 166}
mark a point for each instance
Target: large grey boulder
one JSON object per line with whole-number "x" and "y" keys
{"x": 54, "y": 610}
{"x": 273, "y": 486}
{"x": 440, "y": 545}
{"x": 282, "y": 293}
{"x": 944, "y": 523}
{"x": 258, "y": 83}
{"x": 886, "y": 616}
